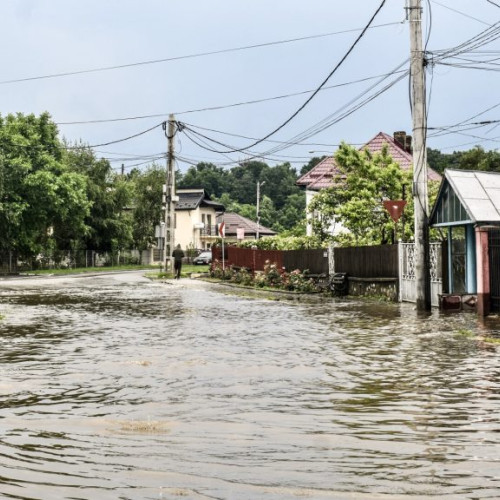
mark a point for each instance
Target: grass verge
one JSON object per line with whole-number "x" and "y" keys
{"x": 78, "y": 270}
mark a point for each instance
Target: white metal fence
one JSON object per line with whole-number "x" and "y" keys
{"x": 407, "y": 281}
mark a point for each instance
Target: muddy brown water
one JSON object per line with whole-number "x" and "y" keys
{"x": 116, "y": 387}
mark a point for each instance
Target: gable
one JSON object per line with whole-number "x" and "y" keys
{"x": 449, "y": 209}
{"x": 323, "y": 174}
{"x": 477, "y": 193}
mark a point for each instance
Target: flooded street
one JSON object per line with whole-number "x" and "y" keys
{"x": 116, "y": 387}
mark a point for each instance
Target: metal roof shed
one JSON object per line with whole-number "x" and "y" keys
{"x": 468, "y": 205}
{"x": 470, "y": 197}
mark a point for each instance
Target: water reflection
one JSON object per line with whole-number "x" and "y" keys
{"x": 116, "y": 387}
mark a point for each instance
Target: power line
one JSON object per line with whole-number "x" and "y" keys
{"x": 339, "y": 115}
{"x": 188, "y": 56}
{"x": 225, "y": 106}
{"x": 268, "y": 140}
{"x": 327, "y": 122}
{"x": 337, "y": 66}
{"x": 461, "y": 13}
{"x": 115, "y": 141}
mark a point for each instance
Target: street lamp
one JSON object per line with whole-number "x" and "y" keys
{"x": 259, "y": 184}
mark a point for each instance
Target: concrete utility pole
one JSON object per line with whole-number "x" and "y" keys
{"x": 259, "y": 184}
{"x": 420, "y": 196}
{"x": 168, "y": 246}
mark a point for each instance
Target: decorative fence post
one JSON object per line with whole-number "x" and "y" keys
{"x": 331, "y": 259}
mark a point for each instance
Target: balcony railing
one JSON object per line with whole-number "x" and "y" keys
{"x": 209, "y": 231}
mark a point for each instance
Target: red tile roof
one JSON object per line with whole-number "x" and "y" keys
{"x": 321, "y": 176}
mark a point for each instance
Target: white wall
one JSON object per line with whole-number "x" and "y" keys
{"x": 335, "y": 227}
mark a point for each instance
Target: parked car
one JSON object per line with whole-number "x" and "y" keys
{"x": 203, "y": 258}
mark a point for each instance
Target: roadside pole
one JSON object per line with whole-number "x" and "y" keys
{"x": 420, "y": 194}
{"x": 222, "y": 234}
{"x": 169, "y": 195}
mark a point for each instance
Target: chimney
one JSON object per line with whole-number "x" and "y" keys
{"x": 409, "y": 145}
{"x": 403, "y": 140}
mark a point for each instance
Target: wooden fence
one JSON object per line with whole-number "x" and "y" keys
{"x": 362, "y": 262}
{"x": 314, "y": 261}
{"x": 368, "y": 262}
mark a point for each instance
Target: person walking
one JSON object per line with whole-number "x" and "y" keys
{"x": 178, "y": 255}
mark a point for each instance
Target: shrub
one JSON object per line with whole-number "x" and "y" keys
{"x": 270, "y": 277}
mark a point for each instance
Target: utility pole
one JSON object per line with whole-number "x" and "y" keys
{"x": 259, "y": 184}
{"x": 420, "y": 195}
{"x": 170, "y": 199}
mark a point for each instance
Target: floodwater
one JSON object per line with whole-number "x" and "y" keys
{"x": 116, "y": 387}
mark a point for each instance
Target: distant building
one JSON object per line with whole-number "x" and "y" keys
{"x": 323, "y": 175}
{"x": 195, "y": 219}
{"x": 238, "y": 227}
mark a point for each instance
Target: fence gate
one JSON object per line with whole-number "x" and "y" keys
{"x": 494, "y": 250}
{"x": 407, "y": 280}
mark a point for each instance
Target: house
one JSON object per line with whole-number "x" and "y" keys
{"x": 238, "y": 227}
{"x": 323, "y": 175}
{"x": 468, "y": 209}
{"x": 195, "y": 219}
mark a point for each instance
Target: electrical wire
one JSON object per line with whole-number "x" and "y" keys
{"x": 268, "y": 140}
{"x": 339, "y": 115}
{"x": 333, "y": 118}
{"x": 188, "y": 56}
{"x": 483, "y": 38}
{"x": 224, "y": 106}
{"x": 311, "y": 97}
{"x": 88, "y": 146}
{"x": 115, "y": 141}
{"x": 461, "y": 13}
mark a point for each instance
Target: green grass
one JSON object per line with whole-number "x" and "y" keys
{"x": 86, "y": 270}
{"x": 187, "y": 270}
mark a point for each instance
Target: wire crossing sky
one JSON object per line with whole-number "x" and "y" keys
{"x": 110, "y": 72}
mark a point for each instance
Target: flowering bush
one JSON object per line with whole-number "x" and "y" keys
{"x": 216, "y": 271}
{"x": 299, "y": 282}
{"x": 270, "y": 277}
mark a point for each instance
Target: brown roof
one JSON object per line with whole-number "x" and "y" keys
{"x": 190, "y": 199}
{"x": 233, "y": 221}
{"x": 321, "y": 175}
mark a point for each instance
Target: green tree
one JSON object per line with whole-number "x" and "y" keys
{"x": 146, "y": 212}
{"x": 479, "y": 159}
{"x": 476, "y": 158}
{"x": 280, "y": 183}
{"x": 242, "y": 181}
{"x": 356, "y": 201}
{"x": 110, "y": 217}
{"x": 204, "y": 175}
{"x": 41, "y": 200}
{"x": 292, "y": 214}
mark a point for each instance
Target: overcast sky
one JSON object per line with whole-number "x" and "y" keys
{"x": 50, "y": 37}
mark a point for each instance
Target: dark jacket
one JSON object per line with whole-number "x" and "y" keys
{"x": 178, "y": 255}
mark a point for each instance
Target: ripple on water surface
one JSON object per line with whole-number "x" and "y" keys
{"x": 117, "y": 387}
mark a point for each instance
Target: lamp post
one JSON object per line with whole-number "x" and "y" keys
{"x": 259, "y": 184}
